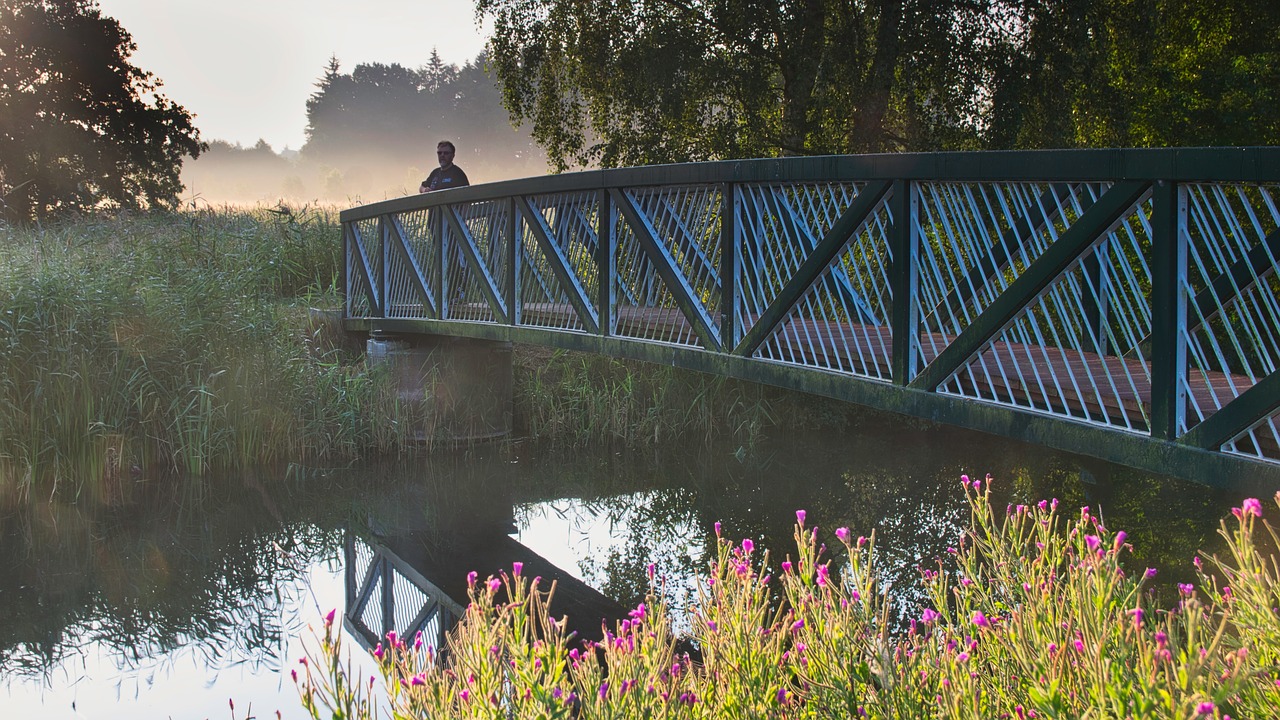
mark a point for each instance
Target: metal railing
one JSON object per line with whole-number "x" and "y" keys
{"x": 1120, "y": 303}
{"x": 385, "y": 594}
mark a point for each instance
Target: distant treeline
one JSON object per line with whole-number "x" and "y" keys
{"x": 371, "y": 134}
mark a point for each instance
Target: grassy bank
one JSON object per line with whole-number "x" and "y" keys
{"x": 142, "y": 345}
{"x": 177, "y": 342}
{"x": 574, "y": 399}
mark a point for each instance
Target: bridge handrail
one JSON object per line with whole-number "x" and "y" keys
{"x": 1247, "y": 164}
{"x": 1123, "y": 303}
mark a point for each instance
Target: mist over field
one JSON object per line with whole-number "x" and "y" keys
{"x": 231, "y": 174}
{"x": 371, "y": 135}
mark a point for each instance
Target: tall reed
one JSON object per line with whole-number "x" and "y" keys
{"x": 179, "y": 342}
{"x": 577, "y": 399}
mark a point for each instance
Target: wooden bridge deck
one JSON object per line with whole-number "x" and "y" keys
{"x": 1116, "y": 386}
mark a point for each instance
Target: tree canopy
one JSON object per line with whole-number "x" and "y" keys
{"x": 80, "y": 126}
{"x": 624, "y": 82}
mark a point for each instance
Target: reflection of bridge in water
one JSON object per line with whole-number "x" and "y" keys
{"x": 410, "y": 583}
{"x": 1122, "y": 304}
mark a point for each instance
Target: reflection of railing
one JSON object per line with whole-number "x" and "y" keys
{"x": 385, "y": 594}
{"x": 1133, "y": 294}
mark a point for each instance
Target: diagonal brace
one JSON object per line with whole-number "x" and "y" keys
{"x": 1082, "y": 234}
{"x": 1251, "y": 406}
{"x": 370, "y": 287}
{"x": 418, "y": 278}
{"x": 693, "y": 309}
{"x": 468, "y": 245}
{"x": 559, "y": 265}
{"x": 824, "y": 253}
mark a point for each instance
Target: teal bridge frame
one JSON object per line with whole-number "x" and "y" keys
{"x": 1120, "y": 304}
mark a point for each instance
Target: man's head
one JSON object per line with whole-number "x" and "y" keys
{"x": 444, "y": 153}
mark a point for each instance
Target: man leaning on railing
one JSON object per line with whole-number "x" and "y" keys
{"x": 447, "y": 175}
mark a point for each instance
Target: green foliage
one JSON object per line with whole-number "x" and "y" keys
{"x": 577, "y": 399}
{"x": 180, "y": 341}
{"x": 1136, "y": 73}
{"x": 1032, "y": 615}
{"x": 632, "y": 82}
{"x": 80, "y": 126}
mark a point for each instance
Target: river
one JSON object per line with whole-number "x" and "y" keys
{"x": 200, "y": 593}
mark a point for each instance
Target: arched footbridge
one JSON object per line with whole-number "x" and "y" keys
{"x": 1122, "y": 304}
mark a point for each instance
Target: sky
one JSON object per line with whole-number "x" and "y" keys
{"x": 245, "y": 68}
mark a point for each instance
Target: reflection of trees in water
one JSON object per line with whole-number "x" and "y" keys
{"x": 143, "y": 581}
{"x": 213, "y": 571}
{"x": 897, "y": 479}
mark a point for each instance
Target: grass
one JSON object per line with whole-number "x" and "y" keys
{"x": 148, "y": 345}
{"x": 574, "y": 399}
{"x": 179, "y": 342}
{"x": 1034, "y": 613}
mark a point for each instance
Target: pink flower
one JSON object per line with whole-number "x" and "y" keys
{"x": 800, "y": 518}
{"x": 494, "y": 585}
{"x": 328, "y": 619}
{"x": 1120, "y": 537}
{"x": 964, "y": 480}
{"x": 1251, "y": 506}
{"x": 786, "y": 566}
{"x": 843, "y": 534}
{"x": 1205, "y": 708}
{"x": 747, "y": 546}
{"x": 929, "y": 616}
{"x": 516, "y": 567}
{"x": 981, "y": 620}
{"x": 1092, "y": 541}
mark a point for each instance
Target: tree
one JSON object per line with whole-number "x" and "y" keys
{"x": 624, "y": 82}
{"x": 629, "y": 82}
{"x": 1137, "y": 73}
{"x": 80, "y": 126}
{"x": 377, "y": 126}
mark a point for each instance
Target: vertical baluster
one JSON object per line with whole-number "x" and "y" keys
{"x": 1168, "y": 309}
{"x": 606, "y": 262}
{"x": 906, "y": 307}
{"x": 729, "y": 260}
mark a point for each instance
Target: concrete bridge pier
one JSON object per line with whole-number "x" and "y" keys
{"x": 461, "y": 388}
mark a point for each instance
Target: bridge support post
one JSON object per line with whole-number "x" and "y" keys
{"x": 460, "y": 388}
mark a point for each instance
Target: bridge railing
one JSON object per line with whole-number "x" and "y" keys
{"x": 1131, "y": 290}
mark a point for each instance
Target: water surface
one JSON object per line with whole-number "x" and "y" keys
{"x": 198, "y": 593}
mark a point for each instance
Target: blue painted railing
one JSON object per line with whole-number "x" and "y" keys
{"x": 1119, "y": 303}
